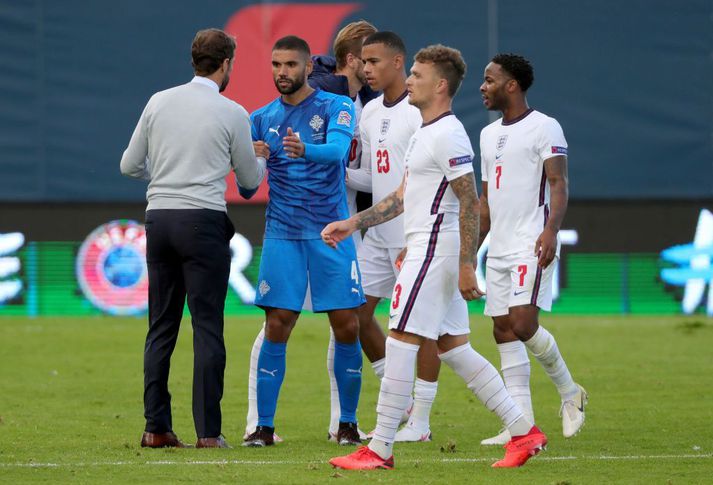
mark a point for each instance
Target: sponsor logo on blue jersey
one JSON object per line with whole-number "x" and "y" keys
{"x": 344, "y": 118}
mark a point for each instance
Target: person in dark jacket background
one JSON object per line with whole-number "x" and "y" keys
{"x": 344, "y": 74}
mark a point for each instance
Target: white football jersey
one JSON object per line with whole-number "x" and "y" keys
{"x": 513, "y": 163}
{"x": 439, "y": 151}
{"x": 354, "y": 159}
{"x": 386, "y": 129}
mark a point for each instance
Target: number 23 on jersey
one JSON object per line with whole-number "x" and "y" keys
{"x": 382, "y": 161}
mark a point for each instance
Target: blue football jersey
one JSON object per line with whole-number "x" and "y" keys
{"x": 304, "y": 196}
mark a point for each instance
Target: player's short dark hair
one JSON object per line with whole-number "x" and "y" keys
{"x": 389, "y": 39}
{"x": 209, "y": 49}
{"x": 292, "y": 43}
{"x": 449, "y": 63}
{"x": 518, "y": 67}
{"x": 349, "y": 40}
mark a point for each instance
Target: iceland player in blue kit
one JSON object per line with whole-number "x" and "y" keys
{"x": 305, "y": 135}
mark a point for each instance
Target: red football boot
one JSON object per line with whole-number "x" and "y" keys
{"x": 520, "y": 448}
{"x": 362, "y": 459}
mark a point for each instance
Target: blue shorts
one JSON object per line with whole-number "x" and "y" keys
{"x": 286, "y": 265}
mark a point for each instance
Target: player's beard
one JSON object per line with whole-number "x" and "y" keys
{"x": 498, "y": 101}
{"x": 361, "y": 77}
{"x": 224, "y": 84}
{"x": 293, "y": 87}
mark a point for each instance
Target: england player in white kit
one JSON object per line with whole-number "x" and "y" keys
{"x": 440, "y": 206}
{"x": 386, "y": 127}
{"x": 524, "y": 167}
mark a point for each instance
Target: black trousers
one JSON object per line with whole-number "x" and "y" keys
{"x": 187, "y": 254}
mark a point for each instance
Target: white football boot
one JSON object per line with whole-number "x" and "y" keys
{"x": 572, "y": 412}
{"x": 410, "y": 433}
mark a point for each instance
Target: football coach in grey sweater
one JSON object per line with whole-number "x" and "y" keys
{"x": 187, "y": 140}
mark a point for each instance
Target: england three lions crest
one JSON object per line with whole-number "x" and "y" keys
{"x": 501, "y": 142}
{"x": 385, "y": 123}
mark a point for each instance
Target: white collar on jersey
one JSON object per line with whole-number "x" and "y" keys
{"x": 206, "y": 82}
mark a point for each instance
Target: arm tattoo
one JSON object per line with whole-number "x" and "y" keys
{"x": 391, "y": 206}
{"x": 469, "y": 217}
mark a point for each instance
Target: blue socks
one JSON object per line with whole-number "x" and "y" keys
{"x": 270, "y": 373}
{"x": 347, "y": 372}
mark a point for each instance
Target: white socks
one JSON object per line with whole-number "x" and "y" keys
{"x": 515, "y": 366}
{"x": 544, "y": 348}
{"x": 251, "y": 420}
{"x": 395, "y": 393}
{"x": 484, "y": 381}
{"x": 424, "y": 394}
{"x": 335, "y": 410}
{"x": 378, "y": 366}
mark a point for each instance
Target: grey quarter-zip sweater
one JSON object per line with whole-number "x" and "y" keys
{"x": 187, "y": 140}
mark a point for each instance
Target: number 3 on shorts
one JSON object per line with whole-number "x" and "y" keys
{"x": 355, "y": 273}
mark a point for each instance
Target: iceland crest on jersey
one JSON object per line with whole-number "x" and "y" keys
{"x": 316, "y": 122}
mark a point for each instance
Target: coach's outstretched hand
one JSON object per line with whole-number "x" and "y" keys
{"x": 262, "y": 149}
{"x": 468, "y": 283}
{"x": 338, "y": 231}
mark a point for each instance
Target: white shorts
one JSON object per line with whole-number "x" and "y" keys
{"x": 426, "y": 300}
{"x": 517, "y": 280}
{"x": 378, "y": 270}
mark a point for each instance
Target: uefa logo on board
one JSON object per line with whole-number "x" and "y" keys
{"x": 111, "y": 268}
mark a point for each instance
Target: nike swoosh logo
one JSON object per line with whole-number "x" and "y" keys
{"x": 519, "y": 292}
{"x": 382, "y": 140}
{"x": 497, "y": 157}
{"x": 392, "y": 316}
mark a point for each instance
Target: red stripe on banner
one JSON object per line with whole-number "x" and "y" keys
{"x": 430, "y": 251}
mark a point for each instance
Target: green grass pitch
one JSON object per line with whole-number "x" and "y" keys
{"x": 71, "y": 408}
